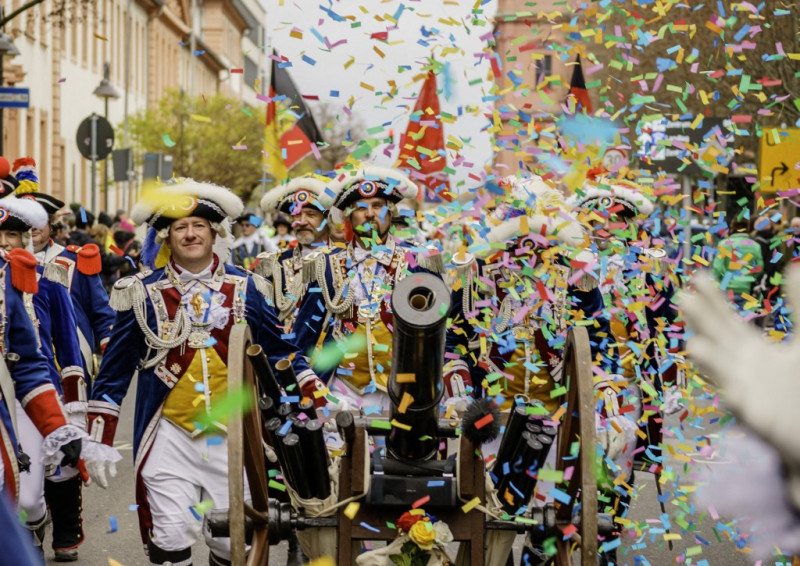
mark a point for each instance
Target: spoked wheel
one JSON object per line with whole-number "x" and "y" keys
{"x": 578, "y": 429}
{"x": 246, "y": 455}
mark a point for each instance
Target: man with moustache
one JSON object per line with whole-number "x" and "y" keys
{"x": 353, "y": 283}
{"x": 306, "y": 201}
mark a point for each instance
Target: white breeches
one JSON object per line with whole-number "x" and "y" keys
{"x": 180, "y": 473}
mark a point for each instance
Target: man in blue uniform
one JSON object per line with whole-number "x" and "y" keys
{"x": 350, "y": 292}
{"x": 171, "y": 330}
{"x": 63, "y": 278}
{"x": 53, "y": 316}
{"x": 306, "y": 200}
{"x": 24, "y": 372}
{"x": 83, "y": 264}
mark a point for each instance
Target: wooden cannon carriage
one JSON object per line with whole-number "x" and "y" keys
{"x": 263, "y": 520}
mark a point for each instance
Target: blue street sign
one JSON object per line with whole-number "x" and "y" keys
{"x": 14, "y": 97}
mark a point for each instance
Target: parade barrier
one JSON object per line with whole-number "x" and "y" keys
{"x": 473, "y": 503}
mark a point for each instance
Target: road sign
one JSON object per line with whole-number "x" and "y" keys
{"x": 104, "y": 140}
{"x": 157, "y": 166}
{"x": 778, "y": 155}
{"x": 691, "y": 147}
{"x": 14, "y": 97}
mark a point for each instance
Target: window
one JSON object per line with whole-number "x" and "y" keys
{"x": 250, "y": 72}
{"x": 255, "y": 35}
{"x": 543, "y": 69}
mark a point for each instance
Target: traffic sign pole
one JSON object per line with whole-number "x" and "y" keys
{"x": 94, "y": 163}
{"x": 95, "y": 140}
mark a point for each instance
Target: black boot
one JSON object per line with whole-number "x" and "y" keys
{"x": 37, "y": 529}
{"x": 65, "y": 503}
{"x": 295, "y": 556}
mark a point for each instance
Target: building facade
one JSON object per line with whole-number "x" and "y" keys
{"x": 150, "y": 46}
{"x": 535, "y": 56}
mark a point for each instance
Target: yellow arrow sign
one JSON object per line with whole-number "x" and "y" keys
{"x": 779, "y": 159}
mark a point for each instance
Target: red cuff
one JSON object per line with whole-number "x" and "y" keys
{"x": 102, "y": 427}
{"x": 74, "y": 387}
{"x": 458, "y": 383}
{"x": 45, "y": 411}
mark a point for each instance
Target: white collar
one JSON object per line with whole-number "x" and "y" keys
{"x": 383, "y": 253}
{"x": 184, "y": 279}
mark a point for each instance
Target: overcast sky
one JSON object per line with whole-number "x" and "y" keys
{"x": 341, "y": 56}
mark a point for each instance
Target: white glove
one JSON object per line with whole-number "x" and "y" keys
{"x": 76, "y": 414}
{"x": 101, "y": 461}
{"x": 612, "y": 443}
{"x": 672, "y": 400}
{"x": 758, "y": 378}
{"x": 460, "y": 402}
{"x": 618, "y": 446}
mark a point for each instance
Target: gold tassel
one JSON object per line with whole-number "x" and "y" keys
{"x": 126, "y": 292}
{"x": 56, "y": 272}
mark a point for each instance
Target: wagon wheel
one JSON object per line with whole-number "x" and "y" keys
{"x": 246, "y": 453}
{"x": 578, "y": 426}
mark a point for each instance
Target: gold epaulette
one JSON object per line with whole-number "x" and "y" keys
{"x": 56, "y": 273}
{"x": 656, "y": 257}
{"x": 265, "y": 264}
{"x": 312, "y": 264}
{"x": 431, "y": 259}
{"x": 463, "y": 262}
{"x": 127, "y": 292}
{"x": 263, "y": 286}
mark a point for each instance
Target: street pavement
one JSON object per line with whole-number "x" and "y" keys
{"x": 122, "y": 545}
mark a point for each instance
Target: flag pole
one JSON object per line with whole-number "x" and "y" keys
{"x": 266, "y": 72}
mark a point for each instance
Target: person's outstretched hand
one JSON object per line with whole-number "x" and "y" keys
{"x": 759, "y": 380}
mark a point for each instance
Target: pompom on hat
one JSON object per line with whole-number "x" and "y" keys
{"x": 24, "y": 170}
{"x": 308, "y": 190}
{"x": 369, "y": 181}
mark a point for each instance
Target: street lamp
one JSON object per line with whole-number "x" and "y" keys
{"x": 106, "y": 90}
{"x": 7, "y": 49}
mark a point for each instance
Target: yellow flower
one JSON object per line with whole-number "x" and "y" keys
{"x": 423, "y": 535}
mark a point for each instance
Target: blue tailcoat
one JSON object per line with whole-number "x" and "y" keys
{"x": 58, "y": 331}
{"x": 30, "y": 374}
{"x": 93, "y": 315}
{"x": 127, "y": 348}
{"x": 312, "y": 315}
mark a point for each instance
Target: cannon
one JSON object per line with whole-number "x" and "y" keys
{"x": 384, "y": 483}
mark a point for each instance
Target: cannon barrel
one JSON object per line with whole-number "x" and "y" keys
{"x": 287, "y": 377}
{"x": 266, "y": 379}
{"x": 420, "y": 303}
